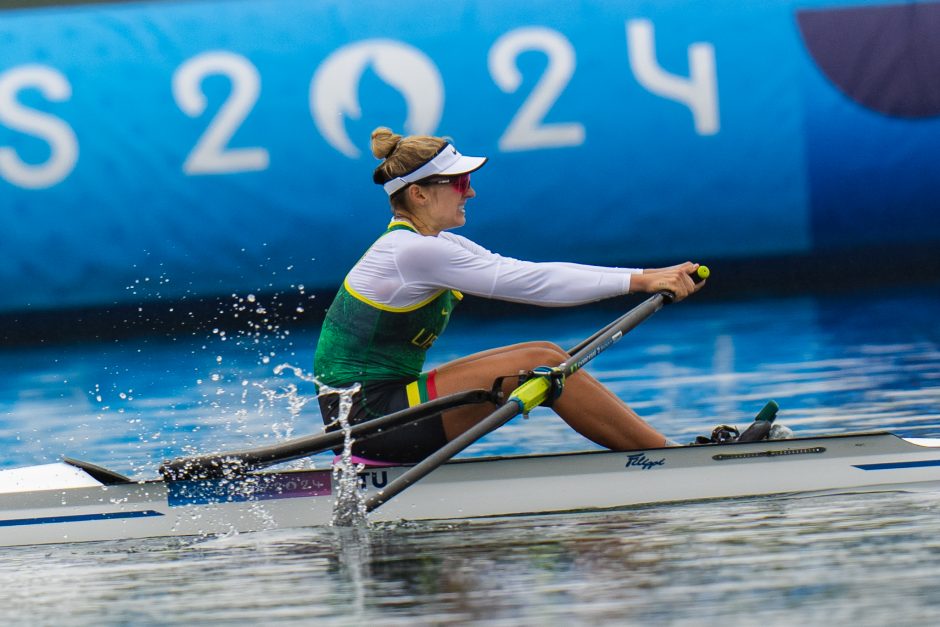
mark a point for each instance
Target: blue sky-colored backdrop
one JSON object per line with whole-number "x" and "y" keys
{"x": 212, "y": 147}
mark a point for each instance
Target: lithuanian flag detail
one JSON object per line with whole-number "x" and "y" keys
{"x": 422, "y": 390}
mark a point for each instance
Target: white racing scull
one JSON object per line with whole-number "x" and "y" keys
{"x": 76, "y": 502}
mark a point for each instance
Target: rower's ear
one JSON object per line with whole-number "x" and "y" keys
{"x": 417, "y": 195}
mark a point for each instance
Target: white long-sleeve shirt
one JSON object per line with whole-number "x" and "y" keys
{"x": 404, "y": 268}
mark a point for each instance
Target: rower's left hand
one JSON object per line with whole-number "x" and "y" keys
{"x": 675, "y": 279}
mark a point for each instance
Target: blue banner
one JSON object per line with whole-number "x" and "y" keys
{"x": 171, "y": 149}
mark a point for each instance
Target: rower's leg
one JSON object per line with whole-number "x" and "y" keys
{"x": 586, "y": 405}
{"x": 599, "y": 415}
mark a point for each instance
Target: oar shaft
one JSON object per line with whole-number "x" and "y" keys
{"x": 417, "y": 472}
{"x": 222, "y": 464}
{"x": 599, "y": 342}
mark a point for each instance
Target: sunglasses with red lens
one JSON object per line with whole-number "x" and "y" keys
{"x": 460, "y": 183}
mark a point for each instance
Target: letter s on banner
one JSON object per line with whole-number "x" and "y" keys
{"x": 63, "y": 144}
{"x": 699, "y": 92}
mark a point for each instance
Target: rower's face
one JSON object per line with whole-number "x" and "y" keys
{"x": 447, "y": 209}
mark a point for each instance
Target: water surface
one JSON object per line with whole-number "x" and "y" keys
{"x": 834, "y": 364}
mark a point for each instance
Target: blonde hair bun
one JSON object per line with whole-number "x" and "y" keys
{"x": 384, "y": 142}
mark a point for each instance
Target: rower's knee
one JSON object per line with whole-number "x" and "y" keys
{"x": 546, "y": 353}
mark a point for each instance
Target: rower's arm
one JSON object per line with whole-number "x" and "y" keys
{"x": 443, "y": 262}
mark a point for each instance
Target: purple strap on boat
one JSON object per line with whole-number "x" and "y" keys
{"x": 369, "y": 463}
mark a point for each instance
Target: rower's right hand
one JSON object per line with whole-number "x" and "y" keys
{"x": 674, "y": 279}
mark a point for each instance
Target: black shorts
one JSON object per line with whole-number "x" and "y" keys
{"x": 408, "y": 443}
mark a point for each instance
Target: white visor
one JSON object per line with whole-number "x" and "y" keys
{"x": 448, "y": 162}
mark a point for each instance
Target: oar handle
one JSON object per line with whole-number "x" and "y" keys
{"x": 701, "y": 273}
{"x": 698, "y": 276}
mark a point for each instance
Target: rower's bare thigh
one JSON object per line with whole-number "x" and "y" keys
{"x": 523, "y": 350}
{"x": 481, "y": 369}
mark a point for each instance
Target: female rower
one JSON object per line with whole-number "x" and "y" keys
{"x": 398, "y": 297}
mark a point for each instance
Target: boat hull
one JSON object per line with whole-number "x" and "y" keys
{"x": 463, "y": 489}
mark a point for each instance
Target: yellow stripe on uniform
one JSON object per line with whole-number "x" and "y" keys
{"x": 403, "y": 223}
{"x": 373, "y": 303}
{"x": 414, "y": 394}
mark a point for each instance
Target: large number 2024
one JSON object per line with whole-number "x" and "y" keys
{"x": 402, "y": 66}
{"x": 526, "y": 131}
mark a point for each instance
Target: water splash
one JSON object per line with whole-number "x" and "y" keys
{"x": 349, "y": 504}
{"x": 298, "y": 372}
{"x": 283, "y": 429}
